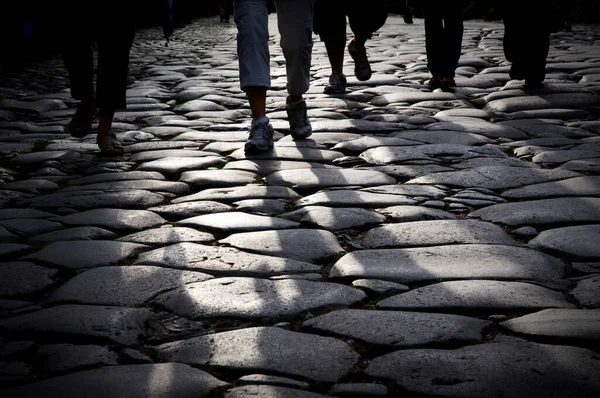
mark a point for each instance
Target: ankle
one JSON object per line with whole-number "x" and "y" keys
{"x": 293, "y": 98}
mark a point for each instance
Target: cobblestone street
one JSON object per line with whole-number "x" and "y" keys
{"x": 421, "y": 243}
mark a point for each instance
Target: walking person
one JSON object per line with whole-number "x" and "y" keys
{"x": 443, "y": 39}
{"x": 225, "y": 9}
{"x": 526, "y": 45}
{"x": 295, "y": 23}
{"x": 365, "y": 18}
{"x": 110, "y": 25}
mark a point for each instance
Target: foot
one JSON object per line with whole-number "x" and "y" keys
{"x": 435, "y": 81}
{"x": 362, "y": 68}
{"x": 81, "y": 123}
{"x": 108, "y": 144}
{"x": 448, "y": 82}
{"x": 300, "y": 127}
{"x": 533, "y": 83}
{"x": 408, "y": 19}
{"x": 260, "y": 137}
{"x": 337, "y": 84}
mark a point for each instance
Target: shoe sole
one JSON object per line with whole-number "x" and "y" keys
{"x": 257, "y": 148}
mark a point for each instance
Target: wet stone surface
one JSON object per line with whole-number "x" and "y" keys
{"x": 427, "y": 242}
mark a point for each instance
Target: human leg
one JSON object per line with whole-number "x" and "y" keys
{"x": 115, "y": 38}
{"x": 330, "y": 25}
{"x": 251, "y": 19}
{"x": 453, "y": 34}
{"x": 78, "y": 58}
{"x": 434, "y": 40}
{"x": 295, "y": 23}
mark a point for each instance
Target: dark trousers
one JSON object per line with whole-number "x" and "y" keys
{"x": 526, "y": 44}
{"x": 109, "y": 25}
{"x": 443, "y": 35}
{"x": 364, "y": 17}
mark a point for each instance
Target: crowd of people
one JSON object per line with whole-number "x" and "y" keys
{"x": 525, "y": 45}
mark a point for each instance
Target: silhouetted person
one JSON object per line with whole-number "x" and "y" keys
{"x": 527, "y": 27}
{"x": 443, "y": 39}
{"x": 365, "y": 17}
{"x": 110, "y": 25}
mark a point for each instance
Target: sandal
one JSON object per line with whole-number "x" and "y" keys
{"x": 81, "y": 123}
{"x": 109, "y": 147}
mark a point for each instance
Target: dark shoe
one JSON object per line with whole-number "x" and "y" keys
{"x": 337, "y": 84}
{"x": 408, "y": 19}
{"x": 260, "y": 137}
{"x": 362, "y": 68}
{"x": 435, "y": 81}
{"x": 448, "y": 82}
{"x": 300, "y": 127}
{"x": 81, "y": 123}
{"x": 108, "y": 144}
{"x": 533, "y": 83}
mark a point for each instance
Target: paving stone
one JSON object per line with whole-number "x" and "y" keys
{"x": 30, "y": 159}
{"x": 175, "y": 165}
{"x": 110, "y": 324}
{"x": 24, "y": 278}
{"x": 117, "y": 219}
{"x": 355, "y": 126}
{"x": 76, "y": 233}
{"x": 481, "y": 127}
{"x": 380, "y": 287}
{"x": 231, "y": 222}
{"x": 222, "y": 260}
{"x": 577, "y": 186}
{"x": 324, "y": 178}
{"x": 558, "y": 100}
{"x": 190, "y": 209}
{"x": 311, "y": 245}
{"x": 126, "y": 381}
{"x": 61, "y": 358}
{"x": 133, "y": 198}
{"x": 335, "y": 219}
{"x": 578, "y": 242}
{"x": 353, "y": 198}
{"x": 542, "y": 212}
{"x": 497, "y": 369}
{"x": 477, "y": 295}
{"x": 570, "y": 325}
{"x": 586, "y": 292}
{"x": 10, "y": 250}
{"x": 8, "y": 213}
{"x": 401, "y": 214}
{"x": 265, "y": 167}
{"x": 29, "y": 226}
{"x": 8, "y": 237}
{"x": 364, "y": 143}
{"x": 435, "y": 232}
{"x": 291, "y": 153}
{"x": 449, "y": 262}
{"x": 444, "y": 137}
{"x": 494, "y": 177}
{"x": 262, "y": 206}
{"x": 31, "y": 186}
{"x": 15, "y": 371}
{"x": 400, "y": 329}
{"x": 262, "y": 391}
{"x": 428, "y": 152}
{"x": 146, "y": 156}
{"x": 291, "y": 353}
{"x": 173, "y": 187}
{"x": 167, "y": 235}
{"x": 217, "y": 178}
{"x": 127, "y": 286}
{"x": 359, "y": 390}
{"x": 261, "y": 298}
{"x": 411, "y": 97}
{"x": 239, "y": 193}
{"x": 584, "y": 165}
{"x": 84, "y": 253}
{"x": 273, "y": 380}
